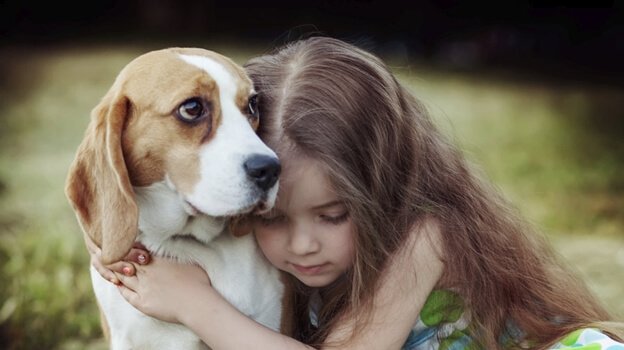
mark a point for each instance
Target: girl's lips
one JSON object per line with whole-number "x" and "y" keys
{"x": 309, "y": 270}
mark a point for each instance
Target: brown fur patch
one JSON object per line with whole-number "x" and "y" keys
{"x": 154, "y": 139}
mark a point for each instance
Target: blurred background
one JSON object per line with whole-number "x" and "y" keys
{"x": 534, "y": 94}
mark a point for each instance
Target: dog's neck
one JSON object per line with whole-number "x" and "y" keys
{"x": 163, "y": 216}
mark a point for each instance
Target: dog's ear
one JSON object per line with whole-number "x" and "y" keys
{"x": 98, "y": 185}
{"x": 240, "y": 225}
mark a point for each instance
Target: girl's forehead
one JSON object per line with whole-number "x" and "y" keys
{"x": 300, "y": 167}
{"x": 303, "y": 185}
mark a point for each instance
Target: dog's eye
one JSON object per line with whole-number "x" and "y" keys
{"x": 253, "y": 106}
{"x": 191, "y": 110}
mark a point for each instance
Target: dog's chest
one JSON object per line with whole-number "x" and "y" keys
{"x": 236, "y": 267}
{"x": 237, "y": 271}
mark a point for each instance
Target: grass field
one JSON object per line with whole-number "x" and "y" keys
{"x": 555, "y": 149}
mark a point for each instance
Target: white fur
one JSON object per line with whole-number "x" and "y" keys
{"x": 232, "y": 143}
{"x": 236, "y": 268}
{"x": 170, "y": 227}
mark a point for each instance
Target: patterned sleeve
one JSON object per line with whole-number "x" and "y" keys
{"x": 588, "y": 339}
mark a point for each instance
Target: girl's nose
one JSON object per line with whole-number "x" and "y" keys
{"x": 302, "y": 241}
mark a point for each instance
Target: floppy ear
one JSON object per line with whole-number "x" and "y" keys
{"x": 240, "y": 225}
{"x": 98, "y": 185}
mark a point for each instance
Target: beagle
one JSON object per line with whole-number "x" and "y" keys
{"x": 170, "y": 153}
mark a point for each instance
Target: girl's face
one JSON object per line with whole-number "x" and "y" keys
{"x": 309, "y": 233}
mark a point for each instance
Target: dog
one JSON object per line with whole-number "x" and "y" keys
{"x": 169, "y": 155}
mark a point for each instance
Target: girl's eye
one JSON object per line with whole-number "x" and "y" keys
{"x": 335, "y": 219}
{"x": 252, "y": 107}
{"x": 191, "y": 110}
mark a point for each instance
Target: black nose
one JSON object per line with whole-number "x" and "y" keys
{"x": 263, "y": 170}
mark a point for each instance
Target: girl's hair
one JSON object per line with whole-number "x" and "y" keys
{"x": 331, "y": 101}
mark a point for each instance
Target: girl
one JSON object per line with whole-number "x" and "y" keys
{"x": 387, "y": 237}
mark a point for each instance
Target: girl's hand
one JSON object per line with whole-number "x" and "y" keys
{"x": 138, "y": 255}
{"x": 165, "y": 289}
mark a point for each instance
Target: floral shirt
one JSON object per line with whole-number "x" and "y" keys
{"x": 443, "y": 324}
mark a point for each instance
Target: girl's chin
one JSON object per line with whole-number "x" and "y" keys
{"x": 316, "y": 281}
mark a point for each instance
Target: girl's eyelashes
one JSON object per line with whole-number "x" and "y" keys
{"x": 271, "y": 219}
{"x": 335, "y": 219}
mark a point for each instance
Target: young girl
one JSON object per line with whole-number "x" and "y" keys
{"x": 387, "y": 238}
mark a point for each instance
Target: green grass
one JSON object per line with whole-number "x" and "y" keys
{"x": 544, "y": 144}
{"x": 554, "y": 149}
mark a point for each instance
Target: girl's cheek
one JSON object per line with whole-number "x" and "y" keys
{"x": 269, "y": 244}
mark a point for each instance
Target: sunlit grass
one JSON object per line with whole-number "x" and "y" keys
{"x": 535, "y": 140}
{"x": 532, "y": 139}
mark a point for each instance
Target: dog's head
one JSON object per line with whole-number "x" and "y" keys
{"x": 184, "y": 116}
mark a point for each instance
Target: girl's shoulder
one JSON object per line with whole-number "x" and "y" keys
{"x": 588, "y": 339}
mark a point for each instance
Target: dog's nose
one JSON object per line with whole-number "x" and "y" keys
{"x": 263, "y": 170}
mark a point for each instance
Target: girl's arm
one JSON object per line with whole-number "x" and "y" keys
{"x": 182, "y": 293}
{"x": 230, "y": 329}
{"x": 408, "y": 280}
{"x": 179, "y": 293}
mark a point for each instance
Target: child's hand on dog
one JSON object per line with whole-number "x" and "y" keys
{"x": 138, "y": 255}
{"x": 165, "y": 289}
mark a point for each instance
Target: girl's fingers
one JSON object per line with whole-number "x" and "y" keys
{"x": 103, "y": 271}
{"x": 109, "y": 271}
{"x": 130, "y": 282}
{"x": 131, "y": 296}
{"x": 126, "y": 267}
{"x": 139, "y": 255}
{"x": 122, "y": 267}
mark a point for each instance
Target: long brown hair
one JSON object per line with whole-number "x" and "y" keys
{"x": 392, "y": 168}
